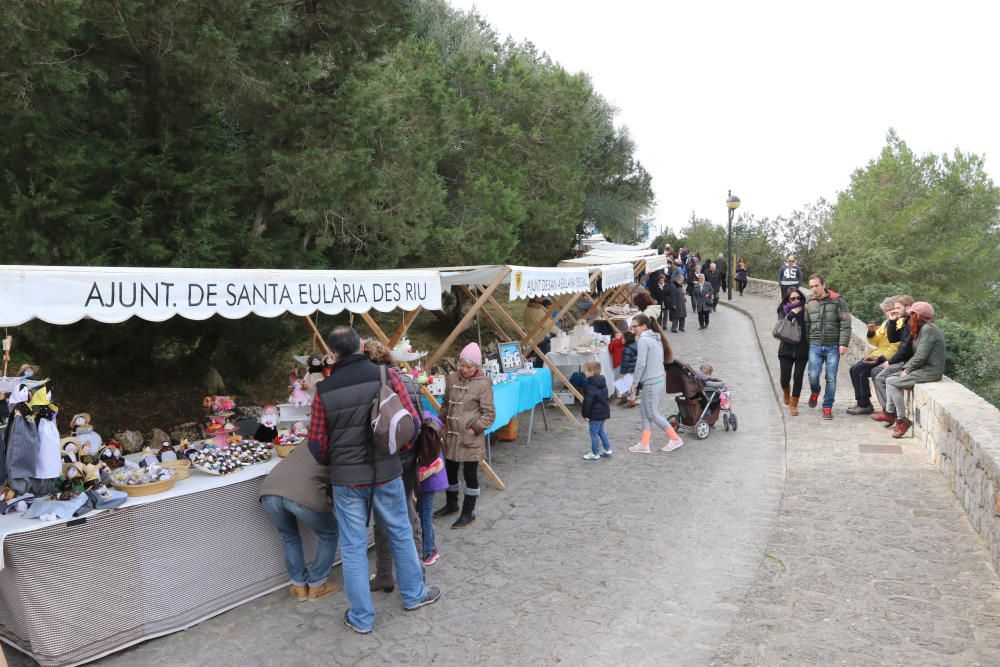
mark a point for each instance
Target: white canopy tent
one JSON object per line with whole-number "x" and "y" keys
{"x": 63, "y": 295}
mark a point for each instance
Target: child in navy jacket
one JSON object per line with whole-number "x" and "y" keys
{"x": 596, "y": 411}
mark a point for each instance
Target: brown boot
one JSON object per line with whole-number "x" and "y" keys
{"x": 793, "y": 406}
{"x": 787, "y": 394}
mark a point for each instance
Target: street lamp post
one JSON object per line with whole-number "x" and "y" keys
{"x": 732, "y": 203}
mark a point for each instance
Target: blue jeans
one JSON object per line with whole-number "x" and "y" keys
{"x": 818, "y": 354}
{"x": 389, "y": 503}
{"x": 287, "y": 515}
{"x": 598, "y": 436}
{"x": 425, "y": 508}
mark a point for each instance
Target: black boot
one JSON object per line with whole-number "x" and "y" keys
{"x": 450, "y": 505}
{"x": 468, "y": 506}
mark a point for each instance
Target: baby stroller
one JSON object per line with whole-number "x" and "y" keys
{"x": 701, "y": 402}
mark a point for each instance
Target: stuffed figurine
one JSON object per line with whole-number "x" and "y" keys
{"x": 88, "y": 455}
{"x": 111, "y": 455}
{"x": 168, "y": 451}
{"x": 72, "y": 482}
{"x": 298, "y": 396}
{"x": 328, "y": 365}
{"x": 84, "y": 432}
{"x": 49, "y": 464}
{"x": 314, "y": 375}
{"x": 70, "y": 450}
{"x": 300, "y": 429}
{"x": 268, "y": 429}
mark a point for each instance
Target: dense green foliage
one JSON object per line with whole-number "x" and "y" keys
{"x": 313, "y": 134}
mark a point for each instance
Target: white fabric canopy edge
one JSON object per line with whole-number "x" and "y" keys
{"x": 63, "y": 295}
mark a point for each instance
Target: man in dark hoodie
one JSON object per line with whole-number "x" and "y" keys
{"x": 596, "y": 411}
{"x": 828, "y": 325}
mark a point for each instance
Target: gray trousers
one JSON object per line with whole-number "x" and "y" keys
{"x": 879, "y": 379}
{"x": 650, "y": 406}
{"x": 894, "y": 393}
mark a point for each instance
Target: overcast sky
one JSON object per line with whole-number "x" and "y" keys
{"x": 780, "y": 101}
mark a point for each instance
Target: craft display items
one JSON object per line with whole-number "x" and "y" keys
{"x": 111, "y": 455}
{"x": 220, "y": 409}
{"x": 85, "y": 433}
{"x": 216, "y": 461}
{"x": 298, "y": 397}
{"x": 49, "y": 464}
{"x": 267, "y": 431}
{"x": 250, "y": 452}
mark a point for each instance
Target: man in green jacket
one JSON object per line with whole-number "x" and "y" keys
{"x": 828, "y": 325}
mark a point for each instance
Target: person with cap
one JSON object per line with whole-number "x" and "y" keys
{"x": 297, "y": 492}
{"x": 364, "y": 479}
{"x": 467, "y": 411}
{"x": 926, "y": 365}
{"x": 789, "y": 276}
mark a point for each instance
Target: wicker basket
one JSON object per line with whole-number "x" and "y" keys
{"x": 181, "y": 468}
{"x": 146, "y": 489}
{"x": 284, "y": 450}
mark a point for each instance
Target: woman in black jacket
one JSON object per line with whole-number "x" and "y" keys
{"x": 793, "y": 357}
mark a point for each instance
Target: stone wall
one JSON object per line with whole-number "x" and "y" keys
{"x": 957, "y": 428}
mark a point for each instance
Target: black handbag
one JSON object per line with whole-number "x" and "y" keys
{"x": 787, "y": 331}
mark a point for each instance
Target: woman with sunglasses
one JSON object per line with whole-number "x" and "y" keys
{"x": 793, "y": 357}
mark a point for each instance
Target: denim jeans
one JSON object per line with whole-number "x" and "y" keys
{"x": 598, "y": 436}
{"x": 389, "y": 503}
{"x": 830, "y": 354}
{"x": 287, "y": 515}
{"x": 425, "y": 508}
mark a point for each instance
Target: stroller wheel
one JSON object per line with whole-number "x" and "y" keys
{"x": 725, "y": 424}
{"x": 732, "y": 421}
{"x": 674, "y": 422}
{"x": 701, "y": 429}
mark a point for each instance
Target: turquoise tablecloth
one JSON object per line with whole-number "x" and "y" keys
{"x": 512, "y": 398}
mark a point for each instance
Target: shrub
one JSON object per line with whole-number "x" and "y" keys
{"x": 865, "y": 299}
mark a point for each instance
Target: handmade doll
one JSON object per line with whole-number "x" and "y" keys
{"x": 300, "y": 429}
{"x": 111, "y": 455}
{"x": 168, "y": 451}
{"x": 298, "y": 395}
{"x": 21, "y": 442}
{"x": 70, "y": 450}
{"x": 88, "y": 454}
{"x": 49, "y": 463}
{"x": 314, "y": 375}
{"x": 268, "y": 429}
{"x": 327, "y": 365}
{"x": 72, "y": 482}
{"x": 84, "y": 432}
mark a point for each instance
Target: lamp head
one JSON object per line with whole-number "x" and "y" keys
{"x": 733, "y": 202}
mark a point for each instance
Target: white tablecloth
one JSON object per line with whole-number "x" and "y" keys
{"x": 573, "y": 361}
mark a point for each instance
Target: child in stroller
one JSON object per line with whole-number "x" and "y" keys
{"x": 703, "y": 399}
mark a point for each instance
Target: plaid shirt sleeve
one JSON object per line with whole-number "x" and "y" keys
{"x": 319, "y": 433}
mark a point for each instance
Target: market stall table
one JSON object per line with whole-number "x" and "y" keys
{"x": 577, "y": 360}
{"x": 73, "y": 591}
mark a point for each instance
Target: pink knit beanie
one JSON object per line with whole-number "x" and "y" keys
{"x": 924, "y": 310}
{"x": 472, "y": 354}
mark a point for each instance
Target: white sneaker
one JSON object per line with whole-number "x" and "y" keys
{"x": 591, "y": 456}
{"x": 606, "y": 452}
{"x": 671, "y": 446}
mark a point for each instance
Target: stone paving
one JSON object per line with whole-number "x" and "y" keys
{"x": 739, "y": 549}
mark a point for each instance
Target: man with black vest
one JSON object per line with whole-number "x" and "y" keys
{"x": 364, "y": 480}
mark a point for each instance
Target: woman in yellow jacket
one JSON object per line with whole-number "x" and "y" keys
{"x": 885, "y": 339}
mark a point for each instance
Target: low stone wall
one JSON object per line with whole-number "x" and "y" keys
{"x": 957, "y": 428}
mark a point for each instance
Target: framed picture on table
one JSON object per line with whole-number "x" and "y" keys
{"x": 510, "y": 356}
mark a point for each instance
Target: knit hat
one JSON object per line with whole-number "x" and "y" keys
{"x": 924, "y": 310}
{"x": 472, "y": 354}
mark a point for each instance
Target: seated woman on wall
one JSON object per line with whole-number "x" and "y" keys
{"x": 926, "y": 364}
{"x": 878, "y": 337}
{"x": 894, "y": 364}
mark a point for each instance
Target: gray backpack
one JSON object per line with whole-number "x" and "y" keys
{"x": 392, "y": 426}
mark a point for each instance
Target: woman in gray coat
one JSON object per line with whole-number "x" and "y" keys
{"x": 678, "y": 304}
{"x": 926, "y": 364}
{"x": 654, "y": 352}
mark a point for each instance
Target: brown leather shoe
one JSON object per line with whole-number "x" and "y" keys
{"x": 793, "y": 406}
{"x": 300, "y": 593}
{"x": 327, "y": 588}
